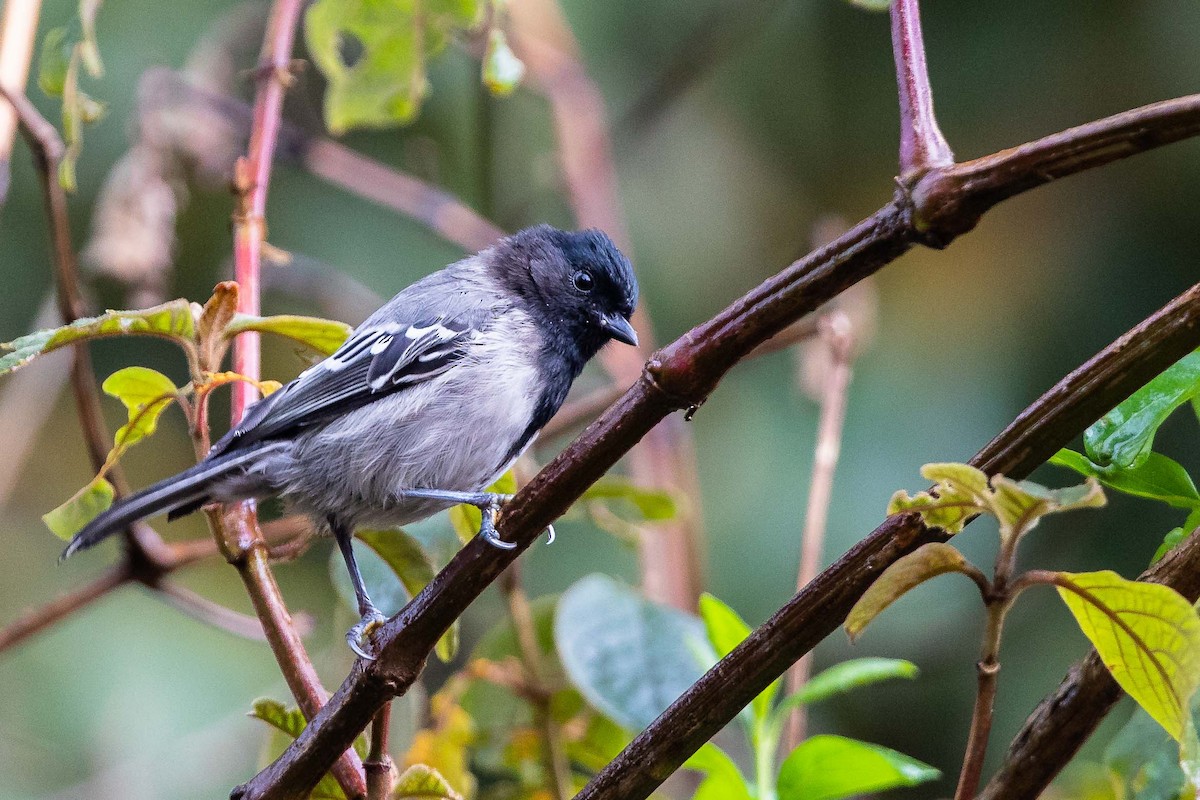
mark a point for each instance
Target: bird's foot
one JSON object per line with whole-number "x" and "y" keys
{"x": 359, "y": 637}
{"x": 490, "y": 509}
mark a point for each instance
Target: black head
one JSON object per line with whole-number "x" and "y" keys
{"x": 578, "y": 286}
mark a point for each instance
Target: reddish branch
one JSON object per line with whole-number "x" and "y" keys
{"x": 921, "y": 142}
{"x": 682, "y": 374}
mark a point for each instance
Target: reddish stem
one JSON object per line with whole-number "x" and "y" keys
{"x": 921, "y": 142}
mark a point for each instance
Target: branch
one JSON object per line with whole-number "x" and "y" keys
{"x": 39, "y": 619}
{"x": 922, "y": 145}
{"x": 1065, "y": 719}
{"x": 17, "y": 36}
{"x": 681, "y": 375}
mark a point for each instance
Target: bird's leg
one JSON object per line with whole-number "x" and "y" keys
{"x": 358, "y": 637}
{"x": 488, "y": 504}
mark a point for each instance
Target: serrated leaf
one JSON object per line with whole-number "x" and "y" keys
{"x": 146, "y": 393}
{"x": 84, "y": 506}
{"x": 726, "y": 630}
{"x": 413, "y": 566}
{"x": 172, "y": 320}
{"x": 1157, "y": 477}
{"x": 1147, "y": 635}
{"x": 502, "y": 70}
{"x": 374, "y": 53}
{"x": 323, "y": 335}
{"x": 960, "y": 492}
{"x": 628, "y": 657}
{"x": 832, "y": 767}
{"x": 423, "y": 782}
{"x": 1124, "y": 436}
{"x": 290, "y": 722}
{"x": 466, "y": 519}
{"x": 927, "y": 561}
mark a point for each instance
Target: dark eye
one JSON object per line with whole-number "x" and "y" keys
{"x": 583, "y": 280}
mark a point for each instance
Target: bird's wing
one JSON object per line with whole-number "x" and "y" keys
{"x": 377, "y": 360}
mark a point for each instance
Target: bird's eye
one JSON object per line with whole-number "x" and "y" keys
{"x": 583, "y": 280}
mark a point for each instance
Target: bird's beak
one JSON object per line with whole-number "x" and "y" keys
{"x": 619, "y": 328}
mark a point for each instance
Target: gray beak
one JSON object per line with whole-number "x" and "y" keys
{"x": 619, "y": 328}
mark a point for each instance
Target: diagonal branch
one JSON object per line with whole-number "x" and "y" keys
{"x": 680, "y": 376}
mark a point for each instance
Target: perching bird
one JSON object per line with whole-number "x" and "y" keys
{"x": 424, "y": 406}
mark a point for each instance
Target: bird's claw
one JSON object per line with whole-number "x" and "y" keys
{"x": 359, "y": 637}
{"x": 487, "y": 526}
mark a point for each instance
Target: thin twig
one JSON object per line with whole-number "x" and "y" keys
{"x": 381, "y": 774}
{"x": 839, "y": 338}
{"x": 18, "y": 32}
{"x": 682, "y": 375}
{"x": 987, "y": 672}
{"x": 921, "y": 142}
{"x": 43, "y": 617}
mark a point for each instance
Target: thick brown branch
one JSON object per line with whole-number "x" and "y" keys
{"x": 921, "y": 142}
{"x": 1065, "y": 719}
{"x": 682, "y": 375}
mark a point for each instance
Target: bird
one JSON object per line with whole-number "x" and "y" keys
{"x": 425, "y": 404}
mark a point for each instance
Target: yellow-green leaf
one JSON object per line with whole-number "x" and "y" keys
{"x": 832, "y": 767}
{"x": 172, "y": 320}
{"x": 423, "y": 782}
{"x": 1148, "y": 636}
{"x": 652, "y": 505}
{"x": 86, "y": 504}
{"x": 726, "y": 630}
{"x": 290, "y": 722}
{"x": 415, "y": 569}
{"x": 146, "y": 393}
{"x": 927, "y": 561}
{"x": 1018, "y": 505}
{"x": 960, "y": 492}
{"x": 323, "y": 335}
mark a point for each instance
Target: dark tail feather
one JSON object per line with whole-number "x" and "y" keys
{"x": 184, "y": 492}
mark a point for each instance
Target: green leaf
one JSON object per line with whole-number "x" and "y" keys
{"x": 422, "y": 782}
{"x": 628, "y": 657}
{"x": 55, "y": 57}
{"x": 1124, "y": 436}
{"x": 850, "y": 675}
{"x": 1018, "y": 505}
{"x": 290, "y": 722}
{"x": 927, "y": 561}
{"x": 374, "y": 52}
{"x": 323, "y": 335}
{"x": 871, "y": 5}
{"x": 172, "y": 320}
{"x": 413, "y": 566}
{"x": 1169, "y": 543}
{"x": 466, "y": 519}
{"x": 961, "y": 492}
{"x": 502, "y": 70}
{"x": 651, "y": 505}
{"x": 145, "y": 393}
{"x": 722, "y": 778}
{"x": 1148, "y": 636}
{"x": 1144, "y": 761}
{"x": 832, "y": 767}
{"x": 84, "y": 506}
{"x": 1156, "y": 478}
{"x": 726, "y": 630}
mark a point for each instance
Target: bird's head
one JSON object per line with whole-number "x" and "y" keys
{"x": 577, "y": 284}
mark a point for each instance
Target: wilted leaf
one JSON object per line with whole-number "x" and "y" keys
{"x": 146, "y": 393}
{"x": 1148, "y": 636}
{"x": 210, "y": 327}
{"x": 373, "y": 53}
{"x": 467, "y": 519}
{"x": 1124, "y": 436}
{"x": 502, "y": 70}
{"x": 323, "y": 335}
{"x": 628, "y": 657}
{"x": 927, "y": 561}
{"x": 172, "y": 320}
{"x": 423, "y": 782}
{"x": 961, "y": 492}
{"x": 726, "y": 630}
{"x": 832, "y": 767}
{"x": 413, "y": 566}
{"x": 86, "y": 504}
{"x": 850, "y": 675}
{"x": 1157, "y": 477}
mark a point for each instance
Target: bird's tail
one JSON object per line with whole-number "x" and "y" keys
{"x": 186, "y": 491}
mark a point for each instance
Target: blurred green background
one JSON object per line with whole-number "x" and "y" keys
{"x": 792, "y": 118}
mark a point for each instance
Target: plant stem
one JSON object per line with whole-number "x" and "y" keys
{"x": 839, "y": 339}
{"x": 381, "y": 775}
{"x": 988, "y": 669}
{"x": 922, "y": 144}
{"x": 18, "y": 32}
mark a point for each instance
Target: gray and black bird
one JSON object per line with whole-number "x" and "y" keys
{"x": 426, "y": 404}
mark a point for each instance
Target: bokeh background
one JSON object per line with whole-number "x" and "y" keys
{"x": 790, "y": 118}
